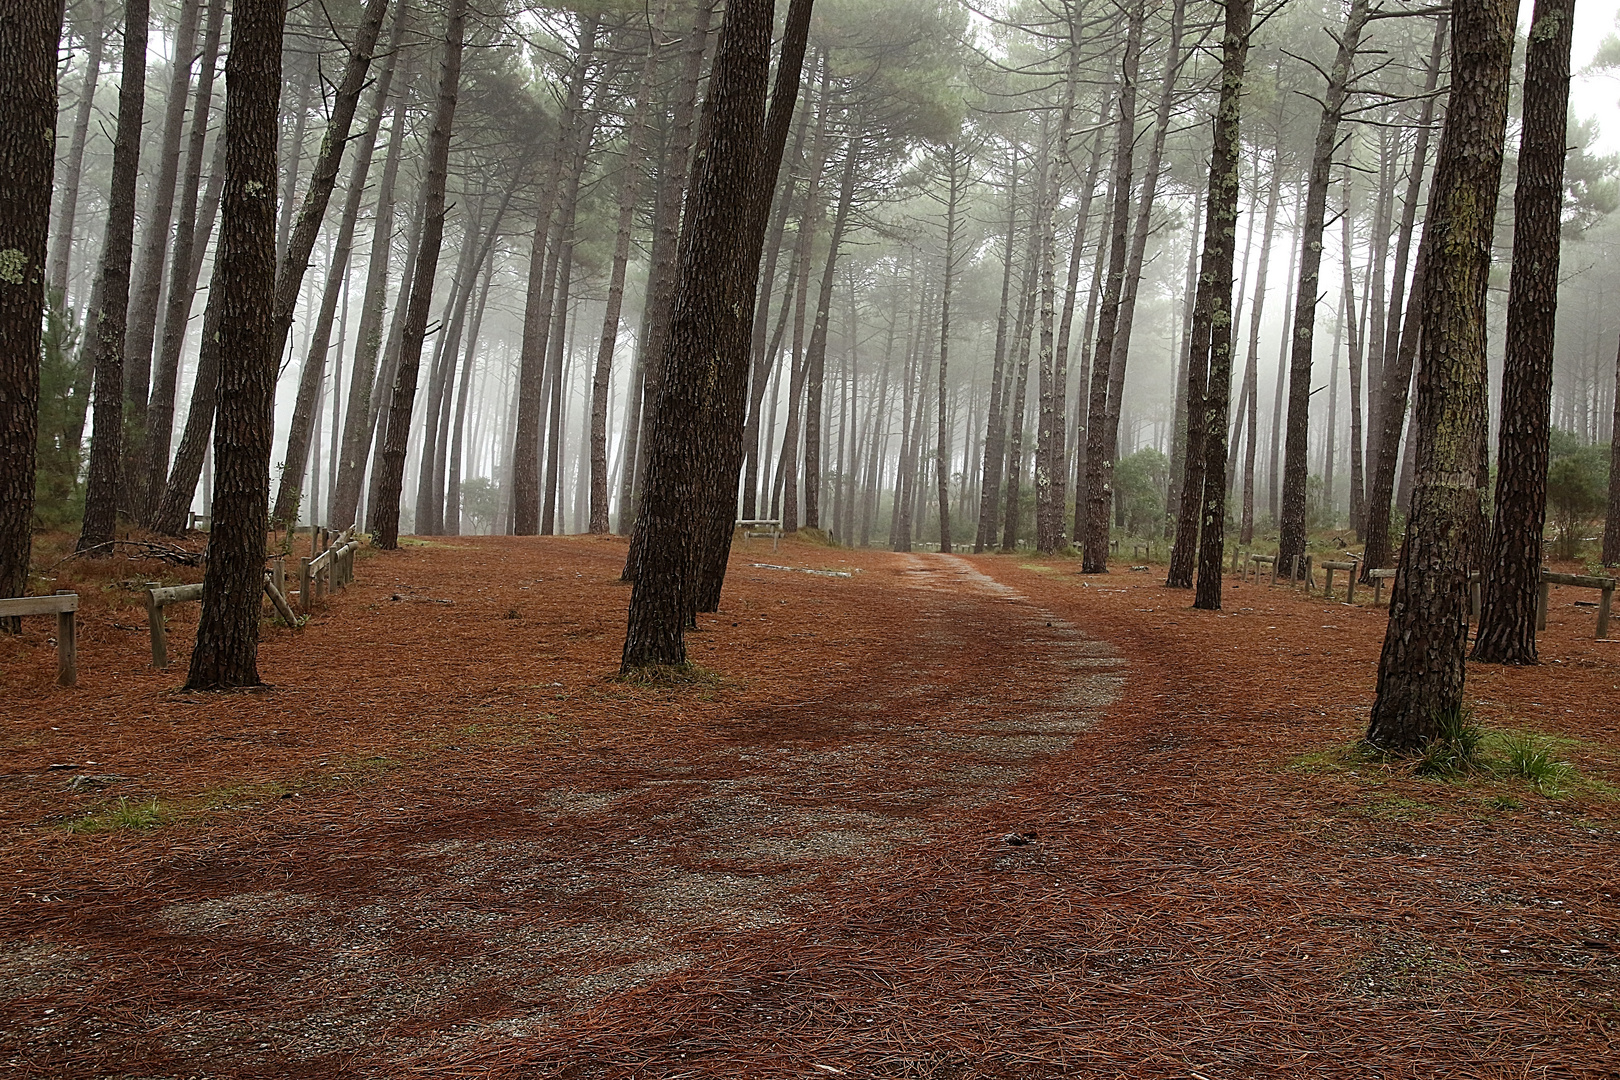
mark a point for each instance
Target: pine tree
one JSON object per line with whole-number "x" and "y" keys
{"x": 28, "y": 35}
{"x": 1421, "y": 669}
{"x": 226, "y": 654}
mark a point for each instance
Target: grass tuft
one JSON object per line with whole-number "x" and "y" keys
{"x": 1531, "y": 759}
{"x": 122, "y": 815}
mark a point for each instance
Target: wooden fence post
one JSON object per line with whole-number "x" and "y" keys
{"x": 67, "y": 645}
{"x": 1543, "y": 597}
{"x": 305, "y": 599}
{"x": 1603, "y": 611}
{"x": 154, "y": 622}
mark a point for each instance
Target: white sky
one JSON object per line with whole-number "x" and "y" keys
{"x": 1592, "y": 95}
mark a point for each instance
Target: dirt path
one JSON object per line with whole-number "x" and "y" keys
{"x": 474, "y": 855}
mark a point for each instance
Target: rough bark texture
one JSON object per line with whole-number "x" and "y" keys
{"x": 28, "y": 34}
{"x": 106, "y": 443}
{"x": 1291, "y": 525}
{"x": 226, "y": 654}
{"x": 1507, "y": 619}
{"x": 706, "y": 326}
{"x": 1421, "y": 669}
{"x": 664, "y": 258}
{"x": 1217, "y": 270}
{"x": 386, "y": 512}
{"x": 723, "y": 456}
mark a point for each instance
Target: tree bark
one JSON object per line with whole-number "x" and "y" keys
{"x": 386, "y": 511}
{"x": 1509, "y": 588}
{"x": 1222, "y": 227}
{"x": 28, "y": 41}
{"x": 226, "y": 653}
{"x": 117, "y": 249}
{"x": 1421, "y": 669}
{"x": 664, "y": 258}
{"x": 707, "y": 328}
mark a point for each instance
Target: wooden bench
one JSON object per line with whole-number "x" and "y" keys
{"x": 758, "y": 527}
{"x": 1256, "y": 562}
{"x": 63, "y": 604}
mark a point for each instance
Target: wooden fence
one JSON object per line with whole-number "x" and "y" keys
{"x": 63, "y": 605}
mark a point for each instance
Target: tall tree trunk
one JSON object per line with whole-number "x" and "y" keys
{"x": 314, "y": 370}
{"x": 1020, "y": 388}
{"x": 629, "y": 184}
{"x": 1179, "y": 428}
{"x": 1099, "y": 450}
{"x": 995, "y": 433}
{"x": 1611, "y": 521}
{"x": 323, "y": 177}
{"x": 722, "y": 458}
{"x": 386, "y": 511}
{"x": 73, "y": 167}
{"x": 1507, "y": 615}
{"x": 28, "y": 41}
{"x": 452, "y": 490}
{"x": 117, "y": 249}
{"x": 1222, "y": 228}
{"x": 184, "y": 272}
{"x": 816, "y": 354}
{"x": 1421, "y": 669}
{"x": 1274, "y": 461}
{"x": 1388, "y": 396}
{"x": 538, "y": 303}
{"x": 663, "y": 260}
{"x": 765, "y": 349}
{"x": 942, "y": 455}
{"x": 1291, "y": 525}
{"x": 226, "y": 653}
{"x": 1357, "y": 502}
{"x": 355, "y": 448}
{"x": 147, "y": 282}
{"x": 1251, "y": 370}
{"x": 709, "y": 322}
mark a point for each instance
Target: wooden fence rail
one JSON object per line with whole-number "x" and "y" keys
{"x": 63, "y": 605}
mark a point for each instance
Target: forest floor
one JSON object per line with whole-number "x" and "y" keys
{"x": 447, "y": 842}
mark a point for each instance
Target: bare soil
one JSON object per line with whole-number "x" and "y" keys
{"x": 916, "y": 816}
